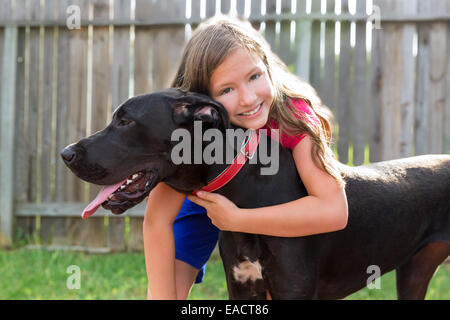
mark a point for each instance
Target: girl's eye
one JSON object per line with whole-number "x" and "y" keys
{"x": 255, "y": 76}
{"x": 225, "y": 91}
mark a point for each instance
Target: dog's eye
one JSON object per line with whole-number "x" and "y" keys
{"x": 124, "y": 122}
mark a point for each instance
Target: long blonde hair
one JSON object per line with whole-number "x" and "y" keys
{"x": 215, "y": 39}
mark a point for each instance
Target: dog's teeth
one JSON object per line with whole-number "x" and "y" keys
{"x": 110, "y": 196}
{"x": 122, "y": 187}
{"x": 135, "y": 176}
{"x": 129, "y": 181}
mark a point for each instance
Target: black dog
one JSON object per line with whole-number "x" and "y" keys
{"x": 399, "y": 211}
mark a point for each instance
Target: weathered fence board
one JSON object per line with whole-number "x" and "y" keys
{"x": 391, "y": 84}
{"x": 344, "y": 107}
{"x": 77, "y": 101}
{"x": 7, "y": 110}
{"x": 375, "y": 96}
{"x": 423, "y": 67}
{"x": 315, "y": 60}
{"x": 269, "y": 29}
{"x": 284, "y": 48}
{"x": 437, "y": 78}
{"x": 302, "y": 43}
{"x": 328, "y": 89}
{"x": 408, "y": 79}
{"x": 359, "y": 95}
{"x": 25, "y": 226}
{"x": 46, "y": 224}
{"x": 62, "y": 87}
{"x": 447, "y": 99}
{"x": 255, "y": 11}
{"x": 32, "y": 84}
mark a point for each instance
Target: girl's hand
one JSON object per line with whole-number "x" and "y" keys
{"x": 223, "y": 213}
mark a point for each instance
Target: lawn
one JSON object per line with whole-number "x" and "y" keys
{"x": 41, "y": 274}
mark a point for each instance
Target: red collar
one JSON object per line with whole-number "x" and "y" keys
{"x": 247, "y": 151}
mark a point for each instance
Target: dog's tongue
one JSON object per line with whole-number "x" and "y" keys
{"x": 101, "y": 197}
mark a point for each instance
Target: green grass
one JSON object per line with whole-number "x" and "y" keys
{"x": 41, "y": 274}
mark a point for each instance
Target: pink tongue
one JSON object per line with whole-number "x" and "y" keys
{"x": 101, "y": 197}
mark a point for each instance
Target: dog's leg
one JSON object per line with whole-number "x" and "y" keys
{"x": 413, "y": 276}
{"x": 298, "y": 284}
{"x": 248, "y": 291}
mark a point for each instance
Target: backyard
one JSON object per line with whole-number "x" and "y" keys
{"x": 382, "y": 67}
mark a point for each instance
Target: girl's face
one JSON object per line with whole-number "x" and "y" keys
{"x": 241, "y": 83}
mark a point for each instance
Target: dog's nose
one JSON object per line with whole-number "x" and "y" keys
{"x": 68, "y": 155}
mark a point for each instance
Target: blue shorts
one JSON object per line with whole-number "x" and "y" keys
{"x": 195, "y": 237}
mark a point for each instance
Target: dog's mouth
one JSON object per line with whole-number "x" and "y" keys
{"x": 123, "y": 195}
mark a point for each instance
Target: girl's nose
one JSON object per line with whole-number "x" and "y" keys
{"x": 246, "y": 97}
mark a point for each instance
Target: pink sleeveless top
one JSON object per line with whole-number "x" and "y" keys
{"x": 288, "y": 141}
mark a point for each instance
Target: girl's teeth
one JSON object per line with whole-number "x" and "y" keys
{"x": 251, "y": 112}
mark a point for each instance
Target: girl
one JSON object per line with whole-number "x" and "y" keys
{"x": 232, "y": 63}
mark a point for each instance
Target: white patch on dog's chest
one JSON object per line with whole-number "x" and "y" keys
{"x": 247, "y": 270}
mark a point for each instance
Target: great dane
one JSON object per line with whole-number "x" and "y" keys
{"x": 399, "y": 210}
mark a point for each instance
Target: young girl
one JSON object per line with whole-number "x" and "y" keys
{"x": 232, "y": 63}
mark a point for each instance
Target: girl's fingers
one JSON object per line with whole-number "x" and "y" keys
{"x": 198, "y": 201}
{"x": 206, "y": 195}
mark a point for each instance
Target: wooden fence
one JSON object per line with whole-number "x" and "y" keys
{"x": 387, "y": 88}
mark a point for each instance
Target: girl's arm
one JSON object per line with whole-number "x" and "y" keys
{"x": 163, "y": 206}
{"x": 323, "y": 210}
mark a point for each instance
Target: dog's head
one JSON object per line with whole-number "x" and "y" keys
{"x": 133, "y": 153}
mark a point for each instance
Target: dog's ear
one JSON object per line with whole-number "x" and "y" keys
{"x": 191, "y": 106}
{"x": 184, "y": 114}
{"x": 216, "y": 117}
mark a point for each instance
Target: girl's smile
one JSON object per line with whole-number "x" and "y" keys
{"x": 241, "y": 83}
{"x": 252, "y": 112}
